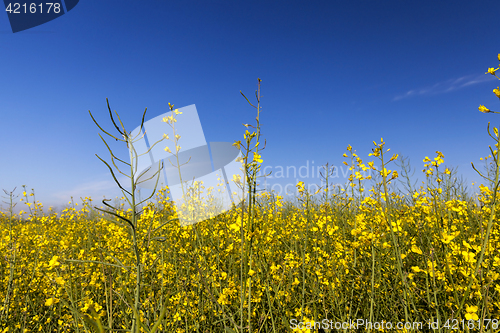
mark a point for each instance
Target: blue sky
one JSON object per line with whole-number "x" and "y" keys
{"x": 333, "y": 73}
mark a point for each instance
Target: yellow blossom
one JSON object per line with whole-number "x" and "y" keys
{"x": 497, "y": 92}
{"x": 59, "y": 280}
{"x": 471, "y": 313}
{"x": 54, "y": 262}
{"x": 491, "y": 71}
{"x": 416, "y": 249}
{"x": 483, "y": 109}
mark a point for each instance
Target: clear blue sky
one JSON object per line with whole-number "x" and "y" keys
{"x": 333, "y": 73}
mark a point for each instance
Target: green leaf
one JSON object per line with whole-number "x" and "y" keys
{"x": 160, "y": 318}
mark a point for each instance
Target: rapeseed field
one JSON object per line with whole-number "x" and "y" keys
{"x": 370, "y": 257}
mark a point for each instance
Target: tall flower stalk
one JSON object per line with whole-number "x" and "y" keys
{"x": 496, "y": 184}
{"x": 251, "y": 164}
{"x": 131, "y": 222}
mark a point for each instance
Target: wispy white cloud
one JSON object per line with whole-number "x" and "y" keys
{"x": 446, "y": 86}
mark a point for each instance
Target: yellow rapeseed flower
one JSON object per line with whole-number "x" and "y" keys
{"x": 416, "y": 249}
{"x": 257, "y": 158}
{"x": 416, "y": 269}
{"x": 385, "y": 172}
{"x": 491, "y": 71}
{"x": 237, "y": 179}
{"x": 394, "y": 157}
{"x": 484, "y": 109}
{"x": 59, "y": 280}
{"x": 497, "y": 92}
{"x": 471, "y": 313}
{"x": 54, "y": 262}
{"x": 300, "y": 187}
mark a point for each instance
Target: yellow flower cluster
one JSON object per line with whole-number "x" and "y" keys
{"x": 496, "y": 91}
